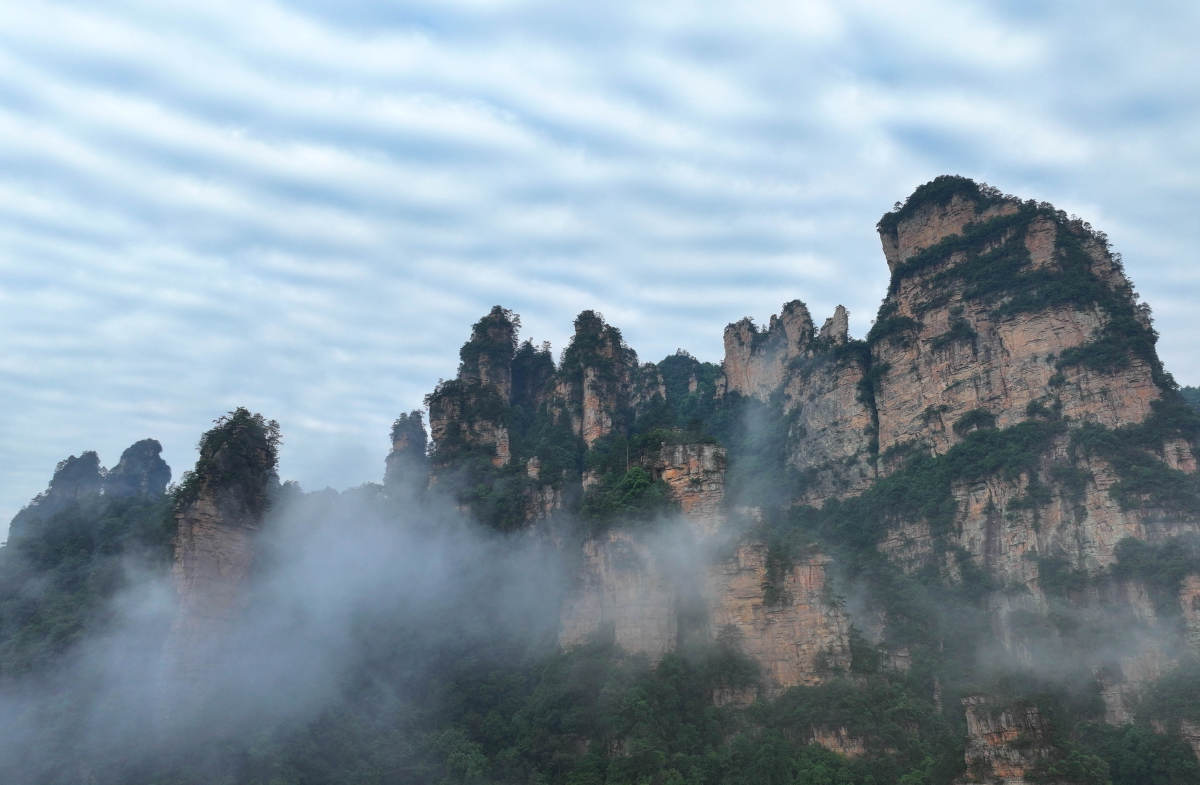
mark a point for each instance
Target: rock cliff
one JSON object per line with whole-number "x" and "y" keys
{"x": 1004, "y": 430}
{"x": 795, "y": 630}
{"x": 219, "y": 509}
{"x": 1004, "y": 742}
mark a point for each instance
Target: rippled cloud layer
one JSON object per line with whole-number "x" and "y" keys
{"x": 302, "y": 208}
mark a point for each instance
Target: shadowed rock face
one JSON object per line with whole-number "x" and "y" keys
{"x": 407, "y": 469}
{"x": 140, "y": 472}
{"x": 76, "y": 479}
{"x": 81, "y": 479}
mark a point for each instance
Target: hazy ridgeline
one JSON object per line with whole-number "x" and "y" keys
{"x": 386, "y": 637}
{"x": 347, "y": 589}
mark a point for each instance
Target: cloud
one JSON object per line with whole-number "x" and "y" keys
{"x": 303, "y": 207}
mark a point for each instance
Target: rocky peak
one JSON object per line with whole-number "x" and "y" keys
{"x": 756, "y": 360}
{"x": 936, "y": 210}
{"x": 487, "y": 356}
{"x": 998, "y": 305}
{"x": 406, "y": 463}
{"x": 75, "y": 479}
{"x": 236, "y": 468}
{"x": 467, "y": 413}
{"x": 836, "y": 330}
{"x": 532, "y": 373}
{"x": 140, "y": 472}
{"x": 596, "y": 377}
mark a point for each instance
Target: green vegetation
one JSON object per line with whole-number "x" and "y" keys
{"x": 1176, "y": 696}
{"x": 691, "y": 389}
{"x": 593, "y": 716}
{"x": 629, "y": 497}
{"x": 57, "y": 577}
{"x": 974, "y": 420}
{"x": 939, "y": 191}
{"x": 237, "y": 462}
{"x": 960, "y": 331}
{"x": 1137, "y": 755}
{"x": 892, "y": 327}
{"x": 1058, "y": 578}
{"x": 1133, "y": 452}
{"x": 1160, "y": 567}
{"x": 492, "y": 343}
{"x": 1191, "y": 396}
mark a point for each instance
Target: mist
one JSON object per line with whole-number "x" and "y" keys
{"x": 343, "y": 583}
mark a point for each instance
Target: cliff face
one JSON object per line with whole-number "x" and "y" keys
{"x": 214, "y": 555}
{"x": 219, "y": 509}
{"x": 1003, "y": 742}
{"x": 1005, "y": 429}
{"x": 645, "y": 586}
{"x": 797, "y": 634}
{"x": 629, "y": 588}
{"x": 975, "y": 323}
{"x": 695, "y": 475}
{"x": 756, "y": 362}
{"x": 652, "y": 590}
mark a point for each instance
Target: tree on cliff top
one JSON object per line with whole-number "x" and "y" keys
{"x": 493, "y": 338}
{"x": 596, "y": 345}
{"x": 237, "y": 463}
{"x": 940, "y": 190}
{"x": 407, "y": 464}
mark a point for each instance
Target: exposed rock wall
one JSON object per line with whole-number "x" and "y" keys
{"x": 627, "y": 588}
{"x": 1191, "y": 734}
{"x": 214, "y": 556}
{"x": 695, "y": 475}
{"x": 801, "y": 639}
{"x": 1189, "y": 603}
{"x": 931, "y": 222}
{"x": 1003, "y": 742}
{"x": 653, "y": 589}
{"x": 646, "y": 592}
{"x": 219, "y": 510}
{"x": 951, "y": 347}
{"x": 829, "y": 425}
{"x": 756, "y": 361}
{"x": 464, "y": 416}
{"x": 839, "y": 740}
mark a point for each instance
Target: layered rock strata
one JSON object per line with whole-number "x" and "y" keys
{"x": 1003, "y": 742}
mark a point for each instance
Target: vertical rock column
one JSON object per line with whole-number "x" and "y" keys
{"x": 219, "y": 510}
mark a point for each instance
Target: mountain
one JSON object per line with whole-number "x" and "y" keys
{"x": 965, "y": 548}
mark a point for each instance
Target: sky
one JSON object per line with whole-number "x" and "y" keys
{"x": 302, "y": 208}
